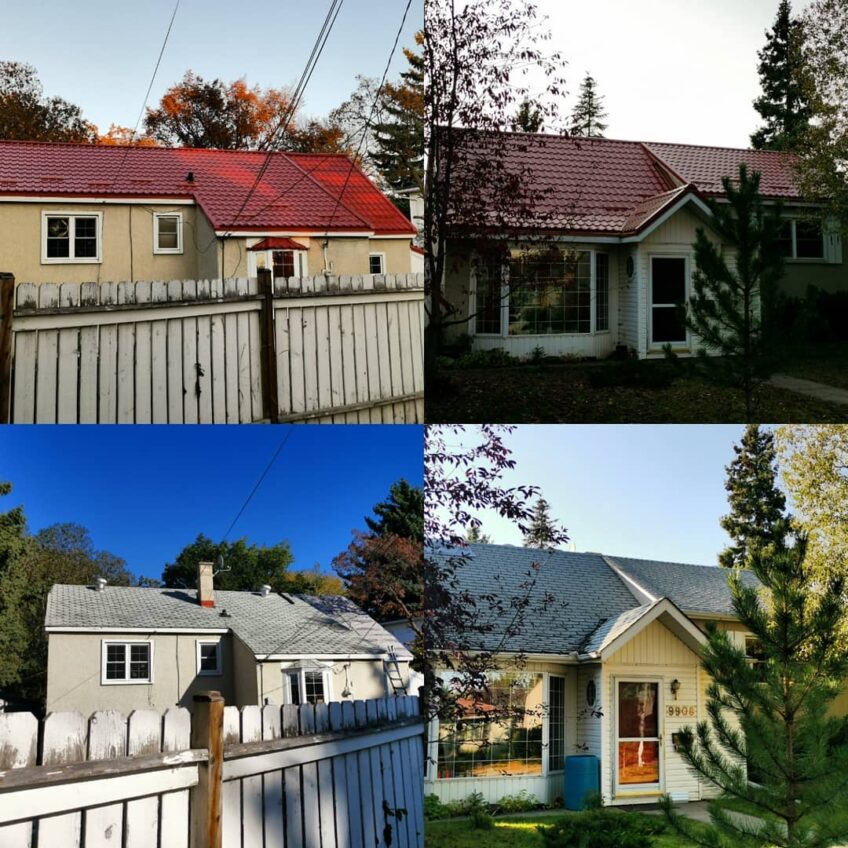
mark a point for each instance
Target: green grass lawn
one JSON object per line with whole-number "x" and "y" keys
{"x": 564, "y": 393}
{"x": 507, "y": 833}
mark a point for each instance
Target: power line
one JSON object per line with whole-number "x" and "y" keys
{"x": 147, "y": 94}
{"x": 259, "y": 481}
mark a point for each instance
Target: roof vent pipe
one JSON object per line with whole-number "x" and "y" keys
{"x": 99, "y": 584}
{"x": 265, "y": 590}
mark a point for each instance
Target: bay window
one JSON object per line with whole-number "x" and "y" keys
{"x": 547, "y": 290}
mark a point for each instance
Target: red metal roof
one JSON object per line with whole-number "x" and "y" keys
{"x": 611, "y": 187}
{"x": 278, "y": 244}
{"x": 288, "y": 197}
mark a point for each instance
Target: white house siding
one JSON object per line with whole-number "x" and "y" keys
{"x": 655, "y": 654}
{"x": 628, "y": 300}
{"x": 589, "y": 719}
{"x": 547, "y": 787}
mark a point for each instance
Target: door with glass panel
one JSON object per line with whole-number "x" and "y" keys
{"x": 668, "y": 293}
{"x": 638, "y": 736}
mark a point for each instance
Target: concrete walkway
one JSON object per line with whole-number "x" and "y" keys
{"x": 810, "y": 388}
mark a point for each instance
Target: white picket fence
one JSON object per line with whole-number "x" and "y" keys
{"x": 339, "y": 775}
{"x": 337, "y": 349}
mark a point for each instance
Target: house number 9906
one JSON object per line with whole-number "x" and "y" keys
{"x": 676, "y": 711}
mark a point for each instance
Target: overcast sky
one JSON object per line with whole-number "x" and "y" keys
{"x": 100, "y": 54}
{"x": 670, "y": 70}
{"x": 655, "y": 492}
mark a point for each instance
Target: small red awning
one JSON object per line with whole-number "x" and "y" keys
{"x": 278, "y": 244}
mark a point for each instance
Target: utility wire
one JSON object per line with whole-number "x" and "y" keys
{"x": 259, "y": 481}
{"x": 147, "y": 95}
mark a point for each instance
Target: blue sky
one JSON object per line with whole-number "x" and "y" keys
{"x": 100, "y": 54}
{"x": 146, "y": 492}
{"x": 634, "y": 490}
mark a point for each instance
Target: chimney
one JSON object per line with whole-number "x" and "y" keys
{"x": 205, "y": 584}
{"x": 99, "y": 584}
{"x": 265, "y": 591}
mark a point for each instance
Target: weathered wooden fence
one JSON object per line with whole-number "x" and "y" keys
{"x": 334, "y": 350}
{"x": 339, "y": 775}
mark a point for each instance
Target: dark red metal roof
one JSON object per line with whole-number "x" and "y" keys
{"x": 294, "y": 193}
{"x": 278, "y": 244}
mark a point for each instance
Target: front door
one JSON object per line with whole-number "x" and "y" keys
{"x": 668, "y": 292}
{"x": 638, "y": 737}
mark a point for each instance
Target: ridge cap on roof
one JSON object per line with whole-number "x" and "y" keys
{"x": 716, "y": 147}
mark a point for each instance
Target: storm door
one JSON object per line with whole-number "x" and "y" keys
{"x": 638, "y": 736}
{"x": 668, "y": 294}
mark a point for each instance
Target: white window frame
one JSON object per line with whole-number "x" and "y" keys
{"x": 219, "y": 668}
{"x": 252, "y": 270}
{"x": 157, "y": 216}
{"x": 126, "y": 643}
{"x": 546, "y": 726}
{"x": 382, "y": 263}
{"x": 805, "y": 260}
{"x": 687, "y": 283}
{"x": 71, "y": 260}
{"x": 326, "y": 679}
{"x": 638, "y": 789}
{"x": 504, "y": 333}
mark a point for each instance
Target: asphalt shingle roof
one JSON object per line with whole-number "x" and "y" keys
{"x": 591, "y": 603}
{"x": 296, "y": 192}
{"x": 272, "y": 625}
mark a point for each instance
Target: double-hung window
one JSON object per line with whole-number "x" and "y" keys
{"x": 209, "y": 659}
{"x": 127, "y": 662}
{"x": 377, "y": 263}
{"x": 167, "y": 232}
{"x": 307, "y": 686}
{"x": 70, "y": 237}
{"x": 802, "y": 239}
{"x": 282, "y": 263}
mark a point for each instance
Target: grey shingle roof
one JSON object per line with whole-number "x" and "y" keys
{"x": 693, "y": 588}
{"x": 271, "y": 625}
{"x": 591, "y": 604}
{"x": 585, "y": 592}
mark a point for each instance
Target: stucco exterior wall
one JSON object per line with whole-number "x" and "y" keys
{"x": 74, "y": 672}
{"x": 361, "y": 679}
{"x": 126, "y": 251}
{"x": 245, "y": 675}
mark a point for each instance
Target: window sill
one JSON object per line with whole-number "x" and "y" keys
{"x": 806, "y": 260}
{"x": 210, "y": 673}
{"x": 126, "y": 682}
{"x": 168, "y": 252}
{"x": 66, "y": 261}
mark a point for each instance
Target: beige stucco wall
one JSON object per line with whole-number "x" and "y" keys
{"x": 362, "y": 678}
{"x": 123, "y": 257}
{"x": 131, "y": 257}
{"x": 74, "y": 673}
{"x": 245, "y": 675}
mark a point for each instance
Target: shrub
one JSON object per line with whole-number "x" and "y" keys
{"x": 519, "y": 803}
{"x": 481, "y": 820}
{"x": 434, "y": 808}
{"x": 495, "y": 358}
{"x": 603, "y": 828}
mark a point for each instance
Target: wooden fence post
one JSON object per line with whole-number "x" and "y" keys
{"x": 268, "y": 359}
{"x": 207, "y": 731}
{"x": 7, "y": 306}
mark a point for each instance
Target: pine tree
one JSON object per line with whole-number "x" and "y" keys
{"x": 542, "y": 530}
{"x": 773, "y": 713}
{"x": 757, "y": 506}
{"x": 731, "y": 308}
{"x": 474, "y": 535}
{"x": 784, "y": 104}
{"x": 528, "y": 118}
{"x": 588, "y": 115}
{"x": 399, "y": 136}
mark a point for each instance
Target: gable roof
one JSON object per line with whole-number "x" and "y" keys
{"x": 608, "y": 187}
{"x": 593, "y": 603}
{"x": 270, "y": 626}
{"x": 295, "y": 192}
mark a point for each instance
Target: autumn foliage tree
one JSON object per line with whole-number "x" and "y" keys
{"x": 26, "y": 114}
{"x": 233, "y": 116}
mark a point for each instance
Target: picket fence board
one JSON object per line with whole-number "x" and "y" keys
{"x": 293, "y": 777}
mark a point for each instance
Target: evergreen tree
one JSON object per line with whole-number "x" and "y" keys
{"x": 529, "y": 117}
{"x": 588, "y": 115}
{"x": 401, "y": 514}
{"x": 773, "y": 714}
{"x": 784, "y": 104}
{"x": 474, "y": 535}
{"x": 399, "y": 136}
{"x": 757, "y": 506}
{"x": 731, "y": 308}
{"x": 542, "y": 531}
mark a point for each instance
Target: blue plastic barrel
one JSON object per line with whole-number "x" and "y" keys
{"x": 582, "y": 775}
